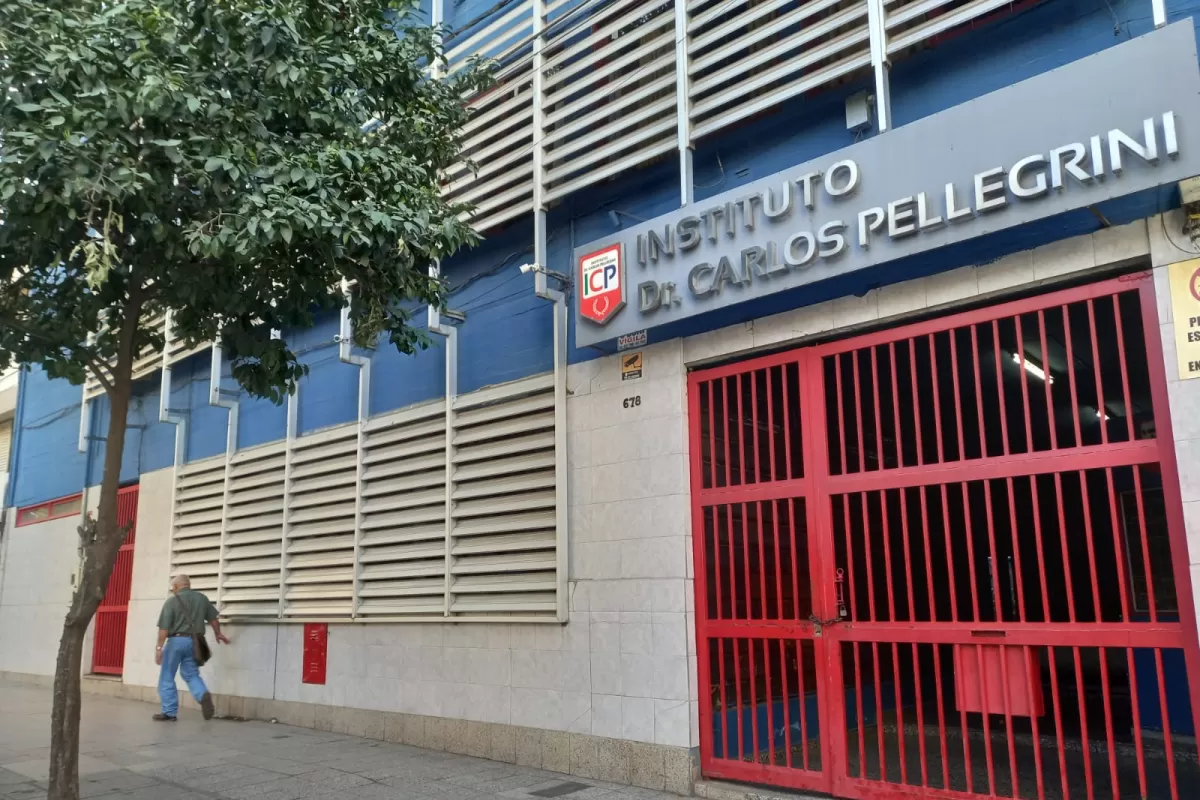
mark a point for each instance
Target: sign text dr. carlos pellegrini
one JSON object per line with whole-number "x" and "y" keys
{"x": 913, "y": 189}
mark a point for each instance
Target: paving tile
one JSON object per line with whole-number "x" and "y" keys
{"x": 125, "y": 755}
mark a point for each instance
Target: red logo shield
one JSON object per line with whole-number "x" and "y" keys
{"x": 602, "y": 284}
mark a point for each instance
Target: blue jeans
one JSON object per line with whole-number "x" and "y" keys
{"x": 177, "y": 657}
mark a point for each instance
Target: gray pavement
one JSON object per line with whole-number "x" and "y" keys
{"x": 124, "y": 754}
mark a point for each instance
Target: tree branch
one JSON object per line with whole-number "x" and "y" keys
{"x": 93, "y": 361}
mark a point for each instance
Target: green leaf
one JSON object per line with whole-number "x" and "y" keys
{"x": 57, "y": 120}
{"x": 29, "y": 108}
{"x": 167, "y": 142}
{"x": 193, "y": 104}
{"x": 286, "y": 233}
{"x": 296, "y": 174}
{"x": 213, "y": 164}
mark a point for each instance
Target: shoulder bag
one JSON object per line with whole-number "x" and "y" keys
{"x": 200, "y": 651}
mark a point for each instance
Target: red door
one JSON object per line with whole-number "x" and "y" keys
{"x": 948, "y": 560}
{"x": 108, "y": 653}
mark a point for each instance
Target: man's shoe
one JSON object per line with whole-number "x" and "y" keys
{"x": 206, "y": 705}
{"x": 162, "y": 718}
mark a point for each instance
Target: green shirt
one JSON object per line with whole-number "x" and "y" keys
{"x": 174, "y": 621}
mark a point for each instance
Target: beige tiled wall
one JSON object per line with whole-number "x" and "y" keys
{"x": 631, "y": 545}
{"x": 37, "y": 565}
{"x": 1168, "y": 246}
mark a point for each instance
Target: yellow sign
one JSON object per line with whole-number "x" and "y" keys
{"x": 631, "y": 366}
{"x": 1185, "y": 310}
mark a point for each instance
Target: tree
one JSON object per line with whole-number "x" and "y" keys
{"x": 209, "y": 157}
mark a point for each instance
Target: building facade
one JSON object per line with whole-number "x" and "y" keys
{"x": 817, "y": 413}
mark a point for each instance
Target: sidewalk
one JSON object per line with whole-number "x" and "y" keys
{"x": 124, "y": 754}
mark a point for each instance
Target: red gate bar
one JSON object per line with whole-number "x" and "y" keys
{"x": 108, "y": 648}
{"x": 961, "y": 638}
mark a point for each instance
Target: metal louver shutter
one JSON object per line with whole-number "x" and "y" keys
{"x": 147, "y": 362}
{"x": 504, "y": 548}
{"x": 196, "y": 539}
{"x": 250, "y": 553}
{"x": 322, "y": 487}
{"x": 403, "y": 547}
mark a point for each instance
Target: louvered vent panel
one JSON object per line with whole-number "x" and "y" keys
{"x": 196, "y": 538}
{"x": 747, "y": 57}
{"x": 253, "y": 533}
{"x": 910, "y": 22}
{"x": 177, "y": 349}
{"x": 609, "y": 93}
{"x": 403, "y": 555}
{"x": 320, "y": 537}
{"x": 504, "y": 539}
{"x": 147, "y": 362}
{"x": 496, "y": 173}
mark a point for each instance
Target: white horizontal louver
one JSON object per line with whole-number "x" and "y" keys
{"x": 496, "y": 172}
{"x": 196, "y": 530}
{"x": 352, "y": 523}
{"x": 747, "y": 58}
{"x": 609, "y": 93}
{"x": 177, "y": 348}
{"x": 146, "y": 363}
{"x": 504, "y": 541}
{"x": 403, "y": 551}
{"x": 320, "y": 530}
{"x": 910, "y": 22}
{"x": 250, "y": 562}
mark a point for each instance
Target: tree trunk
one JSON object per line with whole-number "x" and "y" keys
{"x": 100, "y": 543}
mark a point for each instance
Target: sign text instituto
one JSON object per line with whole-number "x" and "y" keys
{"x": 1030, "y": 150}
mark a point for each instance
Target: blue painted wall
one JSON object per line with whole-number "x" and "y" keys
{"x": 507, "y": 334}
{"x": 46, "y": 463}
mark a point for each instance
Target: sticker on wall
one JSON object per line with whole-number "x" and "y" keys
{"x": 629, "y": 341}
{"x": 1185, "y": 308}
{"x": 631, "y": 366}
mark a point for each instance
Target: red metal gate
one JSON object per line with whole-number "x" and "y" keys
{"x": 108, "y": 652}
{"x": 948, "y": 560}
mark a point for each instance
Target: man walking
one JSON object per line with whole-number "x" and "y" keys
{"x": 182, "y": 616}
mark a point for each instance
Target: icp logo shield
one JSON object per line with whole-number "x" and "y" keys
{"x": 602, "y": 284}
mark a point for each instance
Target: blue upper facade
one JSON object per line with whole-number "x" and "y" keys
{"x": 508, "y": 331}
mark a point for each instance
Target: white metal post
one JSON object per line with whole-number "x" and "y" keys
{"x": 346, "y": 355}
{"x": 542, "y": 290}
{"x": 877, "y": 28}
{"x": 293, "y": 414}
{"x": 179, "y": 420}
{"x": 1159, "y": 11}
{"x": 216, "y": 397}
{"x": 539, "y": 148}
{"x": 683, "y": 106}
{"x": 451, "y": 336}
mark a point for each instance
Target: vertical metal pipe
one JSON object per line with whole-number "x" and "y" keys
{"x": 176, "y": 418}
{"x": 1159, "y": 11}
{"x": 877, "y": 28}
{"x": 347, "y": 356}
{"x": 215, "y": 398}
{"x": 293, "y": 414}
{"x": 538, "y": 10}
{"x": 683, "y": 105}
{"x": 451, "y": 335}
